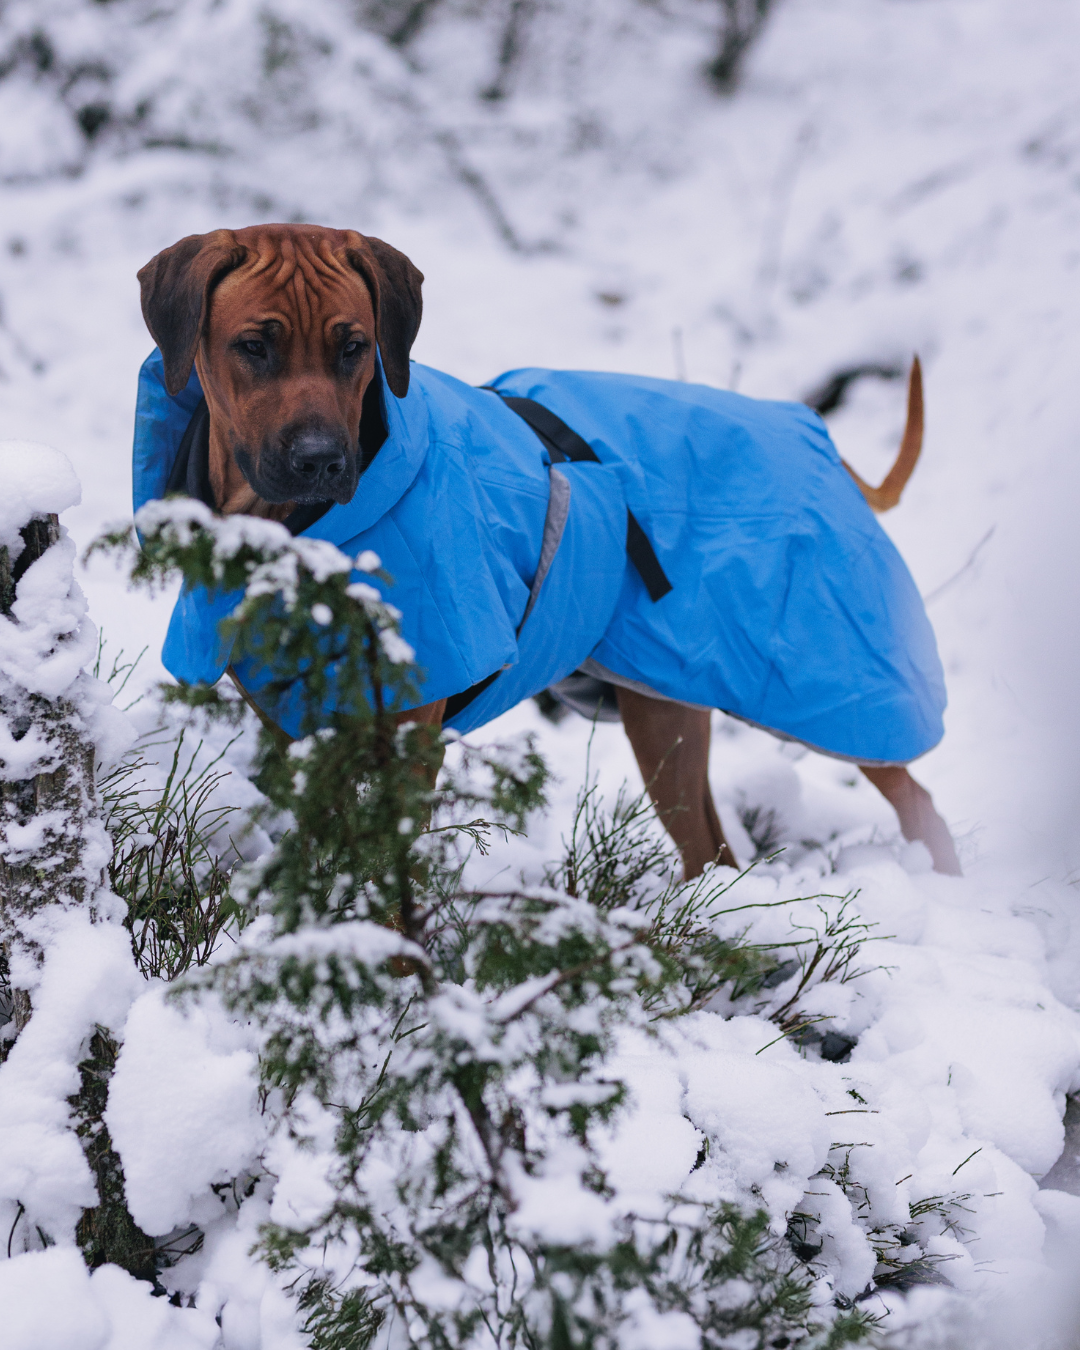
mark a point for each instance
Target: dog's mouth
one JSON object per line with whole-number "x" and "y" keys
{"x": 314, "y": 467}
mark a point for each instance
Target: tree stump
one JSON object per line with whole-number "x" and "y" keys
{"x": 42, "y": 865}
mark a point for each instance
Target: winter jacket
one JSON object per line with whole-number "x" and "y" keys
{"x": 789, "y": 606}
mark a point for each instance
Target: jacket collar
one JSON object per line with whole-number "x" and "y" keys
{"x": 393, "y": 470}
{"x": 166, "y": 428}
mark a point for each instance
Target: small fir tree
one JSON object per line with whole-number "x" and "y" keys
{"x": 452, "y": 1044}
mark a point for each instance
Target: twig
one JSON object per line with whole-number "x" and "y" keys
{"x": 679, "y": 354}
{"x": 767, "y": 272}
{"x": 11, "y": 1236}
{"x": 480, "y": 188}
{"x": 791, "y": 1032}
{"x": 972, "y": 558}
{"x": 510, "y": 48}
{"x": 564, "y": 975}
{"x": 414, "y": 19}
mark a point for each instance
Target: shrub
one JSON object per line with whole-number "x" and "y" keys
{"x": 454, "y": 1043}
{"x": 165, "y": 864}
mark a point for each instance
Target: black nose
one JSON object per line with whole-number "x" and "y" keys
{"x": 317, "y": 460}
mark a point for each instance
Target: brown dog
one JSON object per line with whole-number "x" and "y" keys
{"x": 282, "y": 322}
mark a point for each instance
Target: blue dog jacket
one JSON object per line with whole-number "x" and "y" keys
{"x": 789, "y": 608}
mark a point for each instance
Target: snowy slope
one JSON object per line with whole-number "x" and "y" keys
{"x": 893, "y": 175}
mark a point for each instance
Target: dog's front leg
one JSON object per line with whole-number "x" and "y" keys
{"x": 918, "y": 819}
{"x": 671, "y": 744}
{"x": 429, "y": 716}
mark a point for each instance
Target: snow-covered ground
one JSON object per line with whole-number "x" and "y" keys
{"x": 892, "y": 176}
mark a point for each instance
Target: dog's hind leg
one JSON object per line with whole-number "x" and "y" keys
{"x": 918, "y": 819}
{"x": 671, "y": 745}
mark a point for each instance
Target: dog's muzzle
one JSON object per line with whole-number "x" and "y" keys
{"x": 314, "y": 464}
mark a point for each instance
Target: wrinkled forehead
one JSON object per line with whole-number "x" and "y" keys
{"x": 301, "y": 280}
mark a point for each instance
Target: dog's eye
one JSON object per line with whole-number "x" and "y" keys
{"x": 254, "y": 348}
{"x": 353, "y": 348}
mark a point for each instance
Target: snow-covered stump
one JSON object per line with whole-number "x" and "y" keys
{"x": 55, "y": 721}
{"x": 53, "y": 845}
{"x": 44, "y": 815}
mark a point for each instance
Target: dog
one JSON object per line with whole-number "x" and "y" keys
{"x": 282, "y": 388}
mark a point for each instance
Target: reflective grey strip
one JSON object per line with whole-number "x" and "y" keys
{"x": 554, "y": 524}
{"x": 599, "y": 672}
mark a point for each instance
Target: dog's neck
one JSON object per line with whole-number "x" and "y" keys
{"x": 233, "y": 494}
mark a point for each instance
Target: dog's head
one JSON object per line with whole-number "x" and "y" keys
{"x": 282, "y": 322}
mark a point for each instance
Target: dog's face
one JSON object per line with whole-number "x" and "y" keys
{"x": 282, "y": 323}
{"x": 287, "y": 353}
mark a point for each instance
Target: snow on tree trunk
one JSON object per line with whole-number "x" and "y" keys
{"x": 54, "y": 717}
{"x": 55, "y": 722}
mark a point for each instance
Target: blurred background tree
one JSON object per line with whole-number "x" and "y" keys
{"x": 491, "y": 92}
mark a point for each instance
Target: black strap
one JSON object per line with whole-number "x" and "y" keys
{"x": 456, "y": 702}
{"x": 640, "y": 552}
{"x": 563, "y": 443}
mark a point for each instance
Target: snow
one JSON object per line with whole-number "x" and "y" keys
{"x": 183, "y": 1110}
{"x": 49, "y": 1301}
{"x": 964, "y": 1048}
{"x": 46, "y": 1301}
{"x": 49, "y": 644}
{"x": 38, "y": 481}
{"x": 396, "y": 648}
{"x": 891, "y": 177}
{"x": 88, "y": 979}
{"x": 46, "y": 648}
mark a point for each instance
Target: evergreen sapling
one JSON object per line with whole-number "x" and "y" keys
{"x": 450, "y": 1045}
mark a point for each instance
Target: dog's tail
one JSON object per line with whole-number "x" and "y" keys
{"x": 885, "y": 497}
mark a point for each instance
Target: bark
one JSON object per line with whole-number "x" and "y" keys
{"x": 53, "y": 871}
{"x": 106, "y": 1234}
{"x": 60, "y": 799}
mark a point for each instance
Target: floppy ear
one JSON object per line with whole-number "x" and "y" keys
{"x": 394, "y": 284}
{"x": 176, "y": 288}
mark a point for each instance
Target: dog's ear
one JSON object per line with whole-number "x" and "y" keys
{"x": 176, "y": 289}
{"x": 394, "y": 284}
